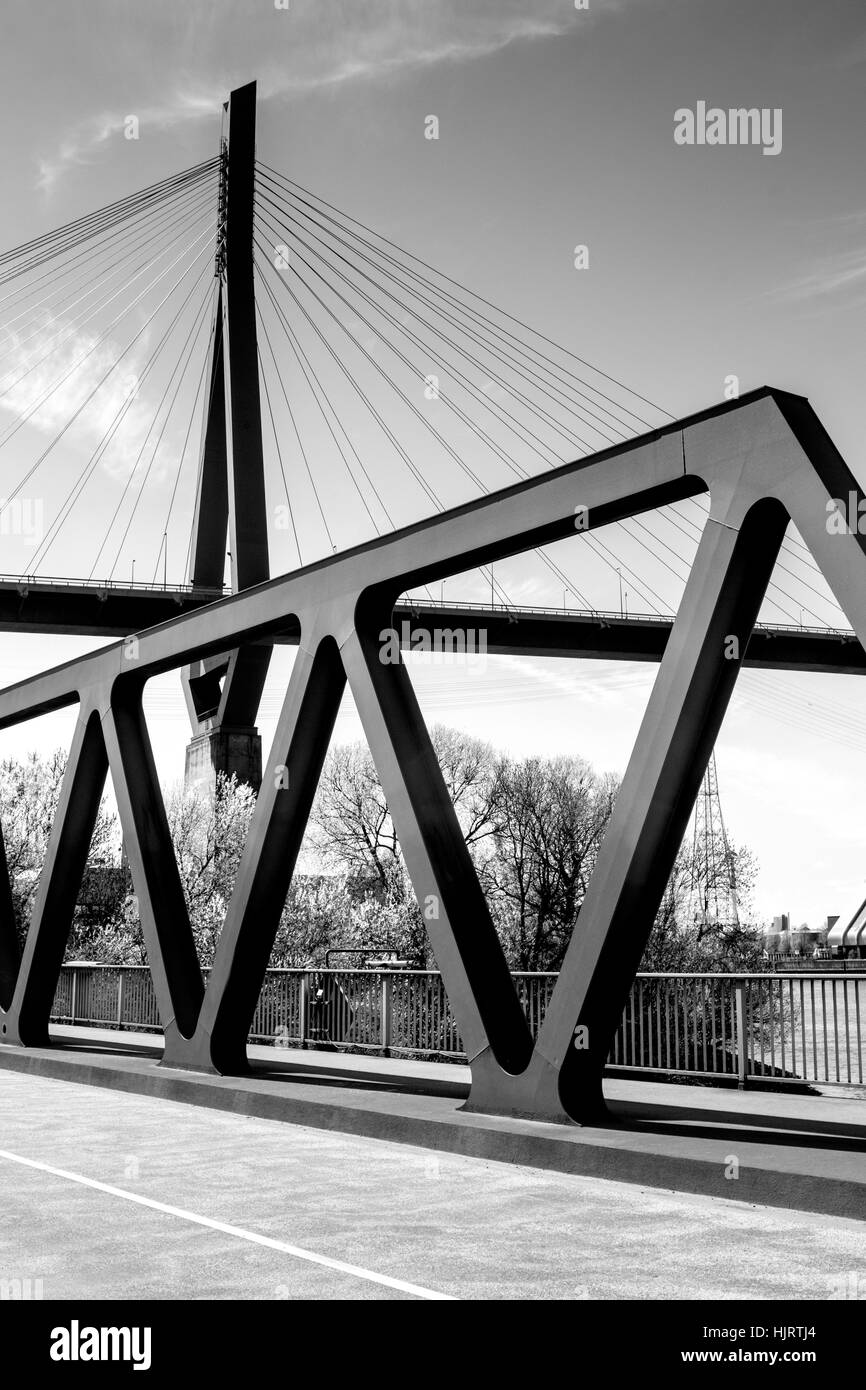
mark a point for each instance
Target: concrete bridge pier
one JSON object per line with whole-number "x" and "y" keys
{"x": 235, "y": 752}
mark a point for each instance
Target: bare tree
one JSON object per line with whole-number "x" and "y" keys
{"x": 353, "y": 829}
{"x": 209, "y": 834}
{"x": 29, "y": 792}
{"x": 550, "y": 816}
{"x": 532, "y": 827}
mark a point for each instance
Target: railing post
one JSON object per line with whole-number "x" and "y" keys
{"x": 74, "y": 994}
{"x": 741, "y": 1039}
{"x": 386, "y": 1015}
{"x": 304, "y": 1006}
{"x": 120, "y": 997}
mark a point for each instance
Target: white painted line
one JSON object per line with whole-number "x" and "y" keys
{"x": 295, "y": 1250}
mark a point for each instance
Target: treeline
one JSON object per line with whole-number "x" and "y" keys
{"x": 533, "y": 827}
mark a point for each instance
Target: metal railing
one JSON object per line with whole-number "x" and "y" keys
{"x": 598, "y": 615}
{"x": 795, "y": 965}
{"x": 404, "y": 605}
{"x": 156, "y": 586}
{"x": 791, "y": 1028}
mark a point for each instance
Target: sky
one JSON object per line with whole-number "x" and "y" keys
{"x": 555, "y": 129}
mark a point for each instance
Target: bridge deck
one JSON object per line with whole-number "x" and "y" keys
{"x": 73, "y": 607}
{"x": 94, "y": 608}
{"x": 800, "y": 1152}
{"x": 119, "y": 1195}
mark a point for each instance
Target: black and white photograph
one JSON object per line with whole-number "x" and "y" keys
{"x": 433, "y": 632}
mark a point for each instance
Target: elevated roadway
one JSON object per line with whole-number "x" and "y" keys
{"x": 116, "y": 609}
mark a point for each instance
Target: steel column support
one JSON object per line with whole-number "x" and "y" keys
{"x": 823, "y": 478}
{"x": 10, "y": 956}
{"x": 211, "y": 516}
{"x": 168, "y": 938}
{"x": 232, "y": 481}
{"x": 274, "y": 840}
{"x": 455, "y": 911}
{"x": 696, "y": 677}
{"x": 248, "y": 520}
{"x": 26, "y": 1020}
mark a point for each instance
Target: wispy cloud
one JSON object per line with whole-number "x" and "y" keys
{"x": 843, "y": 272}
{"x": 56, "y": 371}
{"x": 90, "y": 136}
{"x": 303, "y": 49}
{"x": 394, "y": 49}
{"x": 89, "y": 390}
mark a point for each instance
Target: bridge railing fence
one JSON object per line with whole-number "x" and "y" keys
{"x": 789, "y": 1028}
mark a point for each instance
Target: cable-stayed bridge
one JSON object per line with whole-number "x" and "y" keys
{"x": 384, "y": 390}
{"x": 270, "y": 386}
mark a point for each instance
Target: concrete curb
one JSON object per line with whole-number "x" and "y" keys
{"x": 776, "y": 1169}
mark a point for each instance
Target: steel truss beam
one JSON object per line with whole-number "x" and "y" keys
{"x": 763, "y": 460}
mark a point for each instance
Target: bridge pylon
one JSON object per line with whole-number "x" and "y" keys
{"x": 223, "y": 692}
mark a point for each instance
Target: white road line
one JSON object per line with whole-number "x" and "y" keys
{"x": 295, "y": 1250}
